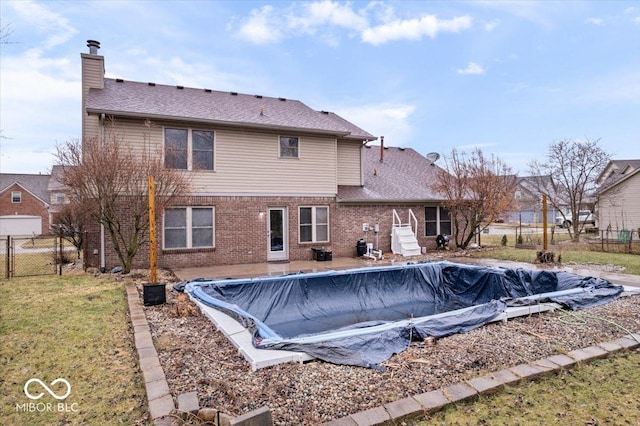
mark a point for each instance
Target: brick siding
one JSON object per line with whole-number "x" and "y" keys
{"x": 28, "y": 205}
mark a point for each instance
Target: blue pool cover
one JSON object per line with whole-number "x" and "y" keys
{"x": 364, "y": 316}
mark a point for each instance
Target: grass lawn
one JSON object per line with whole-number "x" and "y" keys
{"x": 631, "y": 262}
{"x": 601, "y": 392}
{"x": 73, "y": 327}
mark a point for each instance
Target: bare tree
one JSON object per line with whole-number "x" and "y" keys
{"x": 573, "y": 167}
{"x": 111, "y": 182}
{"x": 478, "y": 191}
{"x": 71, "y": 223}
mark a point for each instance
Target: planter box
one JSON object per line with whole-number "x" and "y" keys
{"x": 154, "y": 294}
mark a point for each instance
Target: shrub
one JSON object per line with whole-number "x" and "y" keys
{"x": 503, "y": 241}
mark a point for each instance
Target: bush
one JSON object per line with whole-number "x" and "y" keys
{"x": 503, "y": 241}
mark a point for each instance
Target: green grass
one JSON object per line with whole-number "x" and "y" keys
{"x": 601, "y": 392}
{"x": 631, "y": 262}
{"x": 71, "y": 327}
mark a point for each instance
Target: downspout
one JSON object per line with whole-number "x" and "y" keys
{"x": 103, "y": 266}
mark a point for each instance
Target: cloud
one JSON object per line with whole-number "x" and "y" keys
{"x": 41, "y": 19}
{"x": 414, "y": 29}
{"x": 261, "y": 27}
{"x": 391, "y": 120}
{"x": 322, "y": 18}
{"x": 472, "y": 68}
{"x": 490, "y": 26}
{"x": 595, "y": 21}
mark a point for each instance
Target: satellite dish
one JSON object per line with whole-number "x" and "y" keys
{"x": 433, "y": 157}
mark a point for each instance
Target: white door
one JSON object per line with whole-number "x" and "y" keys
{"x": 278, "y": 238}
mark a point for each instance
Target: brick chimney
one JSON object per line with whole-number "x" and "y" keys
{"x": 92, "y": 78}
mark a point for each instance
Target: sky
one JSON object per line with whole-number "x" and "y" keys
{"x": 508, "y": 77}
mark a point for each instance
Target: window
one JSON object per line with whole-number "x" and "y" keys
{"x": 189, "y": 227}
{"x": 289, "y": 147}
{"x": 59, "y": 197}
{"x": 188, "y": 149}
{"x": 314, "y": 224}
{"x": 16, "y": 197}
{"x": 437, "y": 220}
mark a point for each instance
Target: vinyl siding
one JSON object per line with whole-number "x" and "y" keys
{"x": 349, "y": 163}
{"x": 247, "y": 162}
{"x": 92, "y": 77}
{"x": 619, "y": 207}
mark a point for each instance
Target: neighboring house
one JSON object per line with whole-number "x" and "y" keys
{"x": 271, "y": 178}
{"x": 57, "y": 192}
{"x": 618, "y": 196}
{"x": 528, "y": 198}
{"x": 24, "y": 205}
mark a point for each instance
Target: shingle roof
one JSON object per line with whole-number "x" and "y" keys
{"x": 130, "y": 98}
{"x": 615, "y": 170}
{"x": 35, "y": 184}
{"x": 403, "y": 176}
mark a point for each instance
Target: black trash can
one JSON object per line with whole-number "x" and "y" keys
{"x": 361, "y": 247}
{"x": 154, "y": 294}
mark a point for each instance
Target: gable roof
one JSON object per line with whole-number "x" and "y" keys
{"x": 157, "y": 101}
{"x": 34, "y": 184}
{"x": 403, "y": 176}
{"x": 616, "y": 172}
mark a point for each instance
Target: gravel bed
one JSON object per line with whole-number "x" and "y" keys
{"x": 196, "y": 357}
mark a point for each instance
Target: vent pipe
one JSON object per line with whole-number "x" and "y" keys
{"x": 382, "y": 149}
{"x": 93, "y": 46}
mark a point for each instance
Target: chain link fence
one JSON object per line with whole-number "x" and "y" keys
{"x": 25, "y": 256}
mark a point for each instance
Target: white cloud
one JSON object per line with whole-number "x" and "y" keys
{"x": 490, "y": 26}
{"x": 472, "y": 68}
{"x": 56, "y": 26}
{"x": 261, "y": 27}
{"x": 595, "y": 21}
{"x": 414, "y": 29}
{"x": 326, "y": 13}
{"x": 386, "y": 119}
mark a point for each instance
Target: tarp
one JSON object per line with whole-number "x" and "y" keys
{"x": 363, "y": 316}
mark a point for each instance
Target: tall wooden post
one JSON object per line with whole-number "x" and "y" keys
{"x": 545, "y": 243}
{"x": 152, "y": 231}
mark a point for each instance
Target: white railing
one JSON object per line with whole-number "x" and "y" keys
{"x": 413, "y": 222}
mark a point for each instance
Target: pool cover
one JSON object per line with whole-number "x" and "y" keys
{"x": 364, "y": 316}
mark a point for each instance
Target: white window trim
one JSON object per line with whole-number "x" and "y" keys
{"x": 190, "y": 131}
{"x": 314, "y": 224}
{"x": 299, "y": 145}
{"x": 19, "y": 197}
{"x": 189, "y": 227}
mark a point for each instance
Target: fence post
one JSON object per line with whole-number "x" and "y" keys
{"x": 7, "y": 261}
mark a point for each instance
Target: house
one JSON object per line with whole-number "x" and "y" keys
{"x": 24, "y": 205}
{"x": 618, "y": 195}
{"x": 528, "y": 196}
{"x": 272, "y": 178}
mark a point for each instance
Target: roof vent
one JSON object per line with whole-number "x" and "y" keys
{"x": 151, "y": 84}
{"x": 119, "y": 80}
{"x": 93, "y": 46}
{"x": 207, "y": 90}
{"x": 401, "y": 148}
{"x": 234, "y": 93}
{"x": 259, "y": 96}
{"x": 324, "y": 112}
{"x": 180, "y": 87}
{"x": 283, "y": 99}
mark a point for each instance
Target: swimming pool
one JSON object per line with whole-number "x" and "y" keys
{"x": 363, "y": 316}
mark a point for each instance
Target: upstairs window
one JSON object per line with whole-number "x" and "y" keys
{"x": 59, "y": 197}
{"x": 16, "y": 197}
{"x": 289, "y": 147}
{"x": 188, "y": 149}
{"x": 314, "y": 224}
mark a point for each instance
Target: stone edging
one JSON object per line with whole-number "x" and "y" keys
{"x": 158, "y": 395}
{"x": 396, "y": 412}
